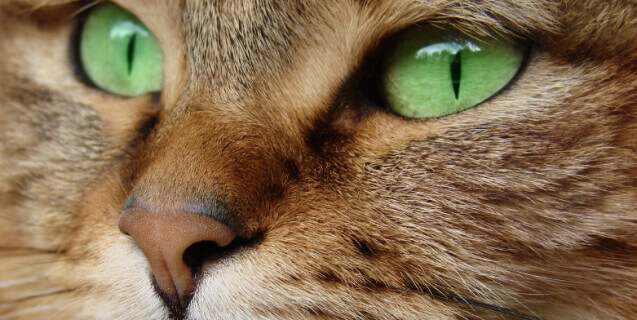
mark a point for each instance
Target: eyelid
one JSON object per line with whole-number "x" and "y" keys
{"x": 85, "y": 8}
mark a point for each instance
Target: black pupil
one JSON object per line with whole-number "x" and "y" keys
{"x": 456, "y": 74}
{"x": 131, "y": 52}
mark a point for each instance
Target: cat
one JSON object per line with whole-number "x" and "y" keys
{"x": 269, "y": 179}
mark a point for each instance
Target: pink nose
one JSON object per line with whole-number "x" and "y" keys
{"x": 165, "y": 237}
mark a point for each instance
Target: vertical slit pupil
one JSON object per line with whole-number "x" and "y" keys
{"x": 456, "y": 73}
{"x": 131, "y": 52}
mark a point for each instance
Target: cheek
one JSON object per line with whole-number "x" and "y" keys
{"x": 111, "y": 270}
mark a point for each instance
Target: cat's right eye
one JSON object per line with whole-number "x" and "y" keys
{"x": 119, "y": 54}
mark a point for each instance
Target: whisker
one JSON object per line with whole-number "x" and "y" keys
{"x": 26, "y": 251}
{"x": 20, "y": 314}
{"x": 85, "y": 7}
{"x": 502, "y": 310}
{"x": 41, "y": 263}
{"x": 16, "y": 220}
{"x": 18, "y": 282}
{"x": 43, "y": 294}
{"x": 437, "y": 294}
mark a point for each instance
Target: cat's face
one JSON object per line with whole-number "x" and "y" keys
{"x": 269, "y": 136}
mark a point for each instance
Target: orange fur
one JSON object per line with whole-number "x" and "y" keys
{"x": 525, "y": 203}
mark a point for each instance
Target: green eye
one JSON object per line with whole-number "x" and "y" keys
{"x": 119, "y": 54}
{"x": 432, "y": 73}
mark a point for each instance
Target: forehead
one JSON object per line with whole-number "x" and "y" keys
{"x": 234, "y": 46}
{"x": 235, "y": 43}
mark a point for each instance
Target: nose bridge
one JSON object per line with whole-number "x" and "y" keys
{"x": 210, "y": 154}
{"x": 204, "y": 175}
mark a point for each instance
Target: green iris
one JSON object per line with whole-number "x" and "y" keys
{"x": 432, "y": 73}
{"x": 119, "y": 54}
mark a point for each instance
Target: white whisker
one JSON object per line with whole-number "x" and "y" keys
{"x": 17, "y": 282}
{"x": 19, "y": 314}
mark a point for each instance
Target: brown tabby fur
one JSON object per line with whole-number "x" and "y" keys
{"x": 521, "y": 208}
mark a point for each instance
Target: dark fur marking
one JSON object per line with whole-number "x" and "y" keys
{"x": 323, "y": 137}
{"x": 135, "y": 167}
{"x": 336, "y": 126}
{"x": 23, "y": 183}
{"x": 374, "y": 284}
{"x": 317, "y": 312}
{"x": 328, "y": 276}
{"x": 74, "y": 122}
{"x": 13, "y": 197}
{"x": 357, "y": 98}
{"x": 274, "y": 192}
{"x": 145, "y": 128}
{"x": 364, "y": 247}
{"x": 292, "y": 169}
{"x": 612, "y": 247}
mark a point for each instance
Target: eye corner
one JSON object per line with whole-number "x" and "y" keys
{"x": 78, "y": 22}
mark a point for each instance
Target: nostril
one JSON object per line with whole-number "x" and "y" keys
{"x": 208, "y": 251}
{"x": 200, "y": 252}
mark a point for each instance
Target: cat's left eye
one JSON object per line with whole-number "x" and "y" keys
{"x": 119, "y": 54}
{"x": 433, "y": 72}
